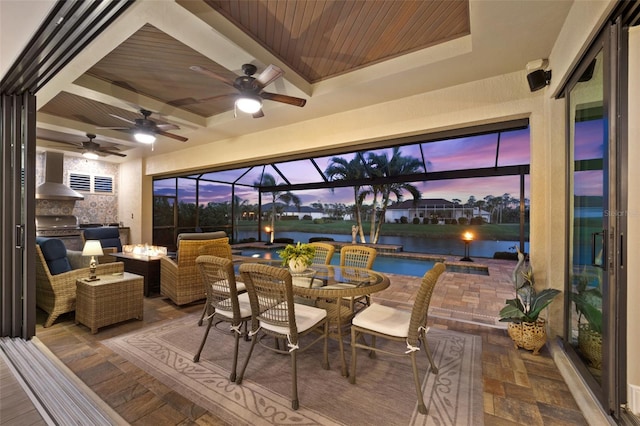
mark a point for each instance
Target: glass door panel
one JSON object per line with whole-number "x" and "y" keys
{"x": 588, "y": 205}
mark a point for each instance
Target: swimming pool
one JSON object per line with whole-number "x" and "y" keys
{"x": 387, "y": 264}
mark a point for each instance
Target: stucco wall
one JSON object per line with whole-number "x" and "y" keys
{"x": 494, "y": 99}
{"x": 130, "y": 206}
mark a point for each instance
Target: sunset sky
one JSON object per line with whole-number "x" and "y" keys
{"x": 452, "y": 154}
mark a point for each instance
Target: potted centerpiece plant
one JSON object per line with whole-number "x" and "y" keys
{"x": 298, "y": 257}
{"x": 588, "y": 303}
{"x": 526, "y": 328}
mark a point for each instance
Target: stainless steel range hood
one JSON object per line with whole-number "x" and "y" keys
{"x": 53, "y": 188}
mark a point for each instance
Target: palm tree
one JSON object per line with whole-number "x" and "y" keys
{"x": 341, "y": 169}
{"x": 456, "y": 202}
{"x": 286, "y": 197}
{"x": 491, "y": 203}
{"x": 397, "y": 165}
{"x": 471, "y": 202}
{"x": 239, "y": 206}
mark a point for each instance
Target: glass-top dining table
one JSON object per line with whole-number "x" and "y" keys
{"x": 331, "y": 287}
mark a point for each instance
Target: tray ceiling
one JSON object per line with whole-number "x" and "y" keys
{"x": 335, "y": 54}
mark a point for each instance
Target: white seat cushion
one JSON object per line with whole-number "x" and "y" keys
{"x": 245, "y": 307}
{"x": 384, "y": 319}
{"x": 240, "y": 287}
{"x": 306, "y": 317}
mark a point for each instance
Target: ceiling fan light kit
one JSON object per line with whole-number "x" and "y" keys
{"x": 89, "y": 155}
{"x": 251, "y": 89}
{"x": 144, "y": 137}
{"x": 145, "y": 130}
{"x": 89, "y": 148}
{"x": 249, "y": 104}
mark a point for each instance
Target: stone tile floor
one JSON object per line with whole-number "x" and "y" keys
{"x": 519, "y": 388}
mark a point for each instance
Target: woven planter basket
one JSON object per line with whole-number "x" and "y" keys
{"x": 528, "y": 335}
{"x": 590, "y": 345}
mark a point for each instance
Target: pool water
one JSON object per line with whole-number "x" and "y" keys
{"x": 387, "y": 264}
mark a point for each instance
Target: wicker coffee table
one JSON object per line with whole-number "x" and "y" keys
{"x": 109, "y": 300}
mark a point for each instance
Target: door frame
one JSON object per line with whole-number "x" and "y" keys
{"x": 611, "y": 392}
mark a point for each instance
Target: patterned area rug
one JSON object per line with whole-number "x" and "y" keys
{"x": 384, "y": 392}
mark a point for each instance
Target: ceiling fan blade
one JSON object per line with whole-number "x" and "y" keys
{"x": 172, "y": 136}
{"x": 106, "y": 151}
{"x": 270, "y": 74}
{"x": 167, "y": 126}
{"x": 66, "y": 143}
{"x": 214, "y": 98}
{"x": 113, "y": 128}
{"x": 212, "y": 74}
{"x": 291, "y": 100}
{"x": 122, "y": 118}
{"x": 258, "y": 114}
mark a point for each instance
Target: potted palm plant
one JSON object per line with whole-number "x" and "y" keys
{"x": 298, "y": 257}
{"x": 526, "y": 328}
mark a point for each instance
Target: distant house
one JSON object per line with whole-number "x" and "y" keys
{"x": 432, "y": 208}
{"x": 303, "y": 211}
{"x": 291, "y": 210}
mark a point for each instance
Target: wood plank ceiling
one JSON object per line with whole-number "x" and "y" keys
{"x": 317, "y": 39}
{"x": 322, "y": 39}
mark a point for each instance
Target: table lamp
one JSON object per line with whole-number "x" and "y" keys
{"x": 92, "y": 248}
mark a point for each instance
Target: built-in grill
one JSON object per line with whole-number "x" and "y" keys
{"x": 64, "y": 227}
{"x": 52, "y": 225}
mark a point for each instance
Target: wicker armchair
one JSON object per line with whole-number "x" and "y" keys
{"x": 324, "y": 252}
{"x": 225, "y": 305}
{"x": 56, "y": 294}
{"x": 180, "y": 280}
{"x": 400, "y": 325}
{"x": 274, "y": 313}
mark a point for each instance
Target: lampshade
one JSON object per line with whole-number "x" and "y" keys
{"x": 144, "y": 137}
{"x": 92, "y": 248}
{"x": 249, "y": 104}
{"x": 90, "y": 155}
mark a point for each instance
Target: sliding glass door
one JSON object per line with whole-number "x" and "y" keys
{"x": 589, "y": 149}
{"x": 595, "y": 315}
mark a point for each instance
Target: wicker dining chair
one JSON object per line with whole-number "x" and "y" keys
{"x": 224, "y": 302}
{"x": 401, "y": 325}
{"x": 358, "y": 256}
{"x": 274, "y": 312}
{"x": 218, "y": 248}
{"x": 324, "y": 253}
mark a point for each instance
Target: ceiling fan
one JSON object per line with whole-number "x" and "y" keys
{"x": 91, "y": 149}
{"x": 145, "y": 130}
{"x": 250, "y": 88}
